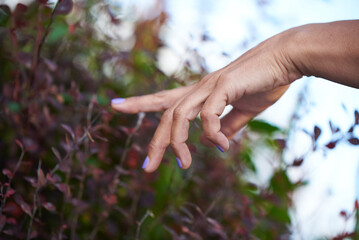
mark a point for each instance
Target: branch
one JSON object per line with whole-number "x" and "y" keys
{"x": 148, "y": 213}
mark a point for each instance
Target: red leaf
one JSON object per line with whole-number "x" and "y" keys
{"x": 52, "y": 66}
{"x": 56, "y": 153}
{"x": 354, "y": 141}
{"x": 43, "y": 1}
{"x": 24, "y": 206}
{"x": 31, "y": 180}
{"x": 351, "y": 130}
{"x": 331, "y": 145}
{"x": 356, "y": 114}
{"x": 11, "y": 221}
{"x": 9, "y": 192}
{"x": 53, "y": 179}
{"x": 7, "y": 172}
{"x": 2, "y": 222}
{"x": 110, "y": 199}
{"x": 356, "y": 205}
{"x": 19, "y": 144}
{"x": 297, "y": 162}
{"x": 64, "y": 7}
{"x": 281, "y": 143}
{"x": 343, "y": 214}
{"x": 333, "y": 128}
{"x": 69, "y": 130}
{"x": 41, "y": 177}
{"x": 64, "y": 188}
{"x": 49, "y": 206}
{"x": 25, "y": 59}
{"x": 317, "y": 132}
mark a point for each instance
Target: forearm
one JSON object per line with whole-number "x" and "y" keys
{"x": 327, "y": 50}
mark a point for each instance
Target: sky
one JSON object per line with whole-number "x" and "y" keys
{"x": 234, "y": 26}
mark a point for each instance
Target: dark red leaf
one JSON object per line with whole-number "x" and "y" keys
{"x": 20, "y": 9}
{"x": 356, "y": 115}
{"x": 297, "y": 162}
{"x": 110, "y": 199}
{"x": 11, "y": 221}
{"x": 9, "y": 232}
{"x": 343, "y": 213}
{"x": 24, "y": 206}
{"x": 64, "y": 188}
{"x": 331, "y": 145}
{"x": 42, "y": 1}
{"x": 9, "y": 192}
{"x": 281, "y": 143}
{"x": 7, "y": 172}
{"x": 354, "y": 141}
{"x": 351, "y": 130}
{"x": 64, "y": 7}
{"x": 56, "y": 153}
{"x": 41, "y": 178}
{"x": 19, "y": 15}
{"x": 317, "y": 132}
{"x": 18, "y": 142}
{"x": 53, "y": 179}
{"x": 2, "y": 222}
{"x": 333, "y": 128}
{"x": 69, "y": 130}
{"x": 52, "y": 66}
{"x": 49, "y": 206}
{"x": 356, "y": 205}
{"x": 31, "y": 180}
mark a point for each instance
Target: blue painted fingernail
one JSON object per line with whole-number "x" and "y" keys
{"x": 117, "y": 100}
{"x": 179, "y": 163}
{"x": 145, "y": 163}
{"x": 219, "y": 148}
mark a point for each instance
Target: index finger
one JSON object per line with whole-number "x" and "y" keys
{"x": 159, "y": 101}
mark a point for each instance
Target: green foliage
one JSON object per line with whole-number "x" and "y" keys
{"x": 262, "y": 127}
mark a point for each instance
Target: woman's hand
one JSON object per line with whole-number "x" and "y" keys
{"x": 250, "y": 84}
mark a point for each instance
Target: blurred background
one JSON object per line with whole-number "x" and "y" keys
{"x": 71, "y": 167}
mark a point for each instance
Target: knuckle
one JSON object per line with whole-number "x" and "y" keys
{"x": 209, "y": 134}
{"x": 223, "y": 77}
{"x": 175, "y": 144}
{"x": 167, "y": 116}
{"x": 205, "y": 114}
{"x": 155, "y": 144}
{"x": 160, "y": 98}
{"x": 179, "y": 112}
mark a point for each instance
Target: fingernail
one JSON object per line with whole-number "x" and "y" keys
{"x": 117, "y": 100}
{"x": 145, "y": 163}
{"x": 179, "y": 163}
{"x": 219, "y": 148}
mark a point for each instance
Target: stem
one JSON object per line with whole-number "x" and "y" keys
{"x": 35, "y": 200}
{"x": 148, "y": 213}
{"x": 10, "y": 180}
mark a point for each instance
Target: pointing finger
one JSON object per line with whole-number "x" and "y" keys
{"x": 159, "y": 101}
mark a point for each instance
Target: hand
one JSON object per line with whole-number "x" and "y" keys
{"x": 250, "y": 84}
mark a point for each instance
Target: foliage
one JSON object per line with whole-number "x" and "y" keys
{"x": 71, "y": 166}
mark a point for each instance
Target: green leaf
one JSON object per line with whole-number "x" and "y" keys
{"x": 279, "y": 214}
{"x": 14, "y": 107}
{"x": 59, "y": 30}
{"x": 262, "y": 127}
{"x": 4, "y": 16}
{"x": 102, "y": 99}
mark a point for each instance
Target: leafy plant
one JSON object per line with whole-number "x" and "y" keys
{"x": 71, "y": 166}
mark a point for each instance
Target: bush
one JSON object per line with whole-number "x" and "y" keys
{"x": 71, "y": 166}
